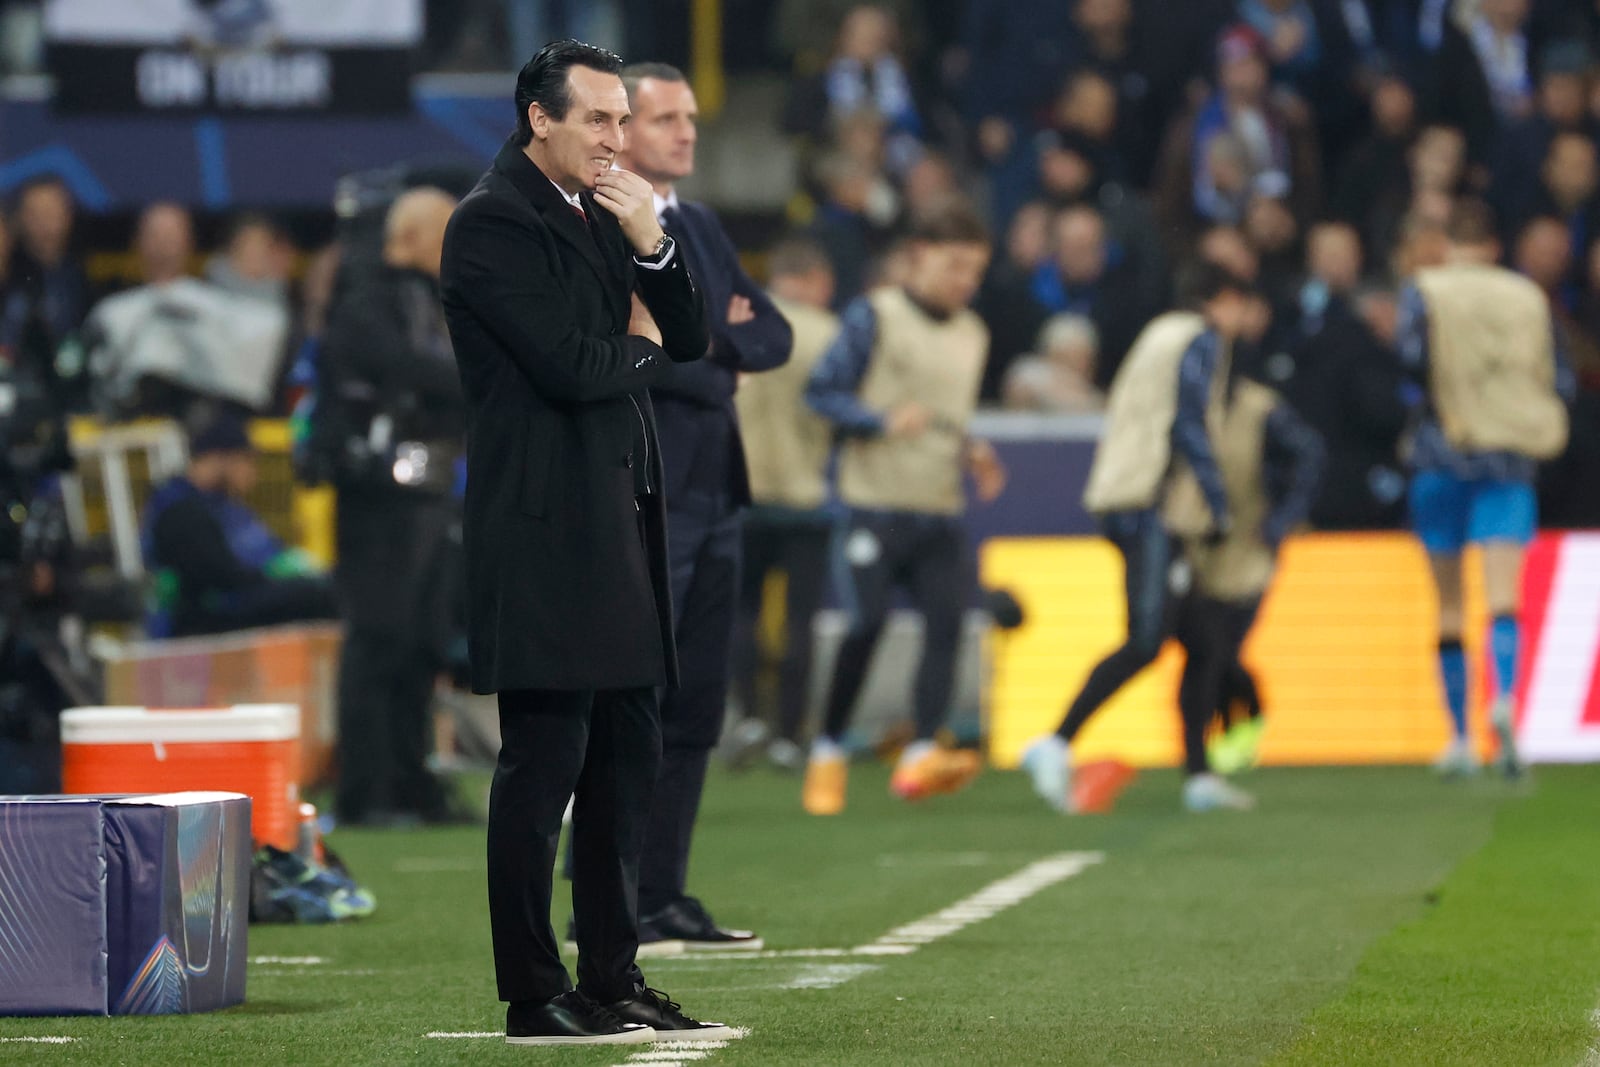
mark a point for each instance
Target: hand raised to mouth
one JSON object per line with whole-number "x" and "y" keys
{"x": 628, "y": 197}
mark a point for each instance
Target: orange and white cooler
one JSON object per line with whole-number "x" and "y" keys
{"x": 249, "y": 748}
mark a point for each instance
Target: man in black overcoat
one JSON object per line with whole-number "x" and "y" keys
{"x": 566, "y": 302}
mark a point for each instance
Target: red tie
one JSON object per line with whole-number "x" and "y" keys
{"x": 578, "y": 211}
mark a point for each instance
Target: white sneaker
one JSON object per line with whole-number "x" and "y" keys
{"x": 1503, "y": 716}
{"x": 1211, "y": 792}
{"x": 1458, "y": 761}
{"x": 745, "y": 742}
{"x": 1048, "y": 761}
{"x": 786, "y": 756}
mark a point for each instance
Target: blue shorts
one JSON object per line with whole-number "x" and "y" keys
{"x": 1449, "y": 513}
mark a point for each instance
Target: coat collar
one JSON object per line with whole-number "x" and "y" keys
{"x": 533, "y": 184}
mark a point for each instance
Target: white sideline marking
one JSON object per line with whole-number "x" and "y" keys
{"x": 828, "y": 975}
{"x": 746, "y": 954}
{"x": 37, "y": 1040}
{"x": 986, "y": 903}
{"x": 670, "y": 1053}
{"x": 290, "y": 961}
{"x": 426, "y": 865}
{"x": 1592, "y": 1057}
{"x": 363, "y": 972}
{"x": 684, "y": 1046}
{"x": 904, "y": 940}
{"x": 936, "y": 859}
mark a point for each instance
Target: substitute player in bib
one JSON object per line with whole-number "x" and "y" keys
{"x": 1166, "y": 394}
{"x": 1271, "y": 462}
{"x": 899, "y": 385}
{"x": 1487, "y": 384}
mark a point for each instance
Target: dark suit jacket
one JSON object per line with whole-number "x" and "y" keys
{"x": 566, "y": 577}
{"x": 694, "y": 401}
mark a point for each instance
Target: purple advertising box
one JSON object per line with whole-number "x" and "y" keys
{"x": 127, "y": 905}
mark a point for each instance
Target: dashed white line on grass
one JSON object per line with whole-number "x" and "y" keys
{"x": 301, "y": 972}
{"x": 290, "y": 961}
{"x": 459, "y": 1035}
{"x": 989, "y": 901}
{"x": 1592, "y": 1057}
{"x": 748, "y": 954}
{"x": 668, "y": 1053}
{"x": 936, "y": 859}
{"x": 37, "y": 1040}
{"x": 986, "y": 903}
{"x": 828, "y": 975}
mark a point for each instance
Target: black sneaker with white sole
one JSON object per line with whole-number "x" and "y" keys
{"x": 653, "y": 1008}
{"x": 571, "y": 1019}
{"x": 686, "y": 926}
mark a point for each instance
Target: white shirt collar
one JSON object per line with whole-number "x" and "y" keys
{"x": 664, "y": 202}
{"x": 571, "y": 198}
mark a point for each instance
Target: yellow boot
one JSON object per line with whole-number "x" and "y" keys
{"x": 827, "y": 777}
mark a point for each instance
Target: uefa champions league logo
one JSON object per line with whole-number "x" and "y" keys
{"x": 234, "y": 23}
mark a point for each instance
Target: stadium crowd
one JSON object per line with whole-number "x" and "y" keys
{"x": 1314, "y": 148}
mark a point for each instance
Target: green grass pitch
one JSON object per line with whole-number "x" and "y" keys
{"x": 1361, "y": 916}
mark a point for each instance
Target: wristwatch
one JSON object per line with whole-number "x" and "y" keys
{"x": 661, "y": 251}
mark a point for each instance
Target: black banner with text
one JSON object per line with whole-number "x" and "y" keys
{"x": 249, "y": 56}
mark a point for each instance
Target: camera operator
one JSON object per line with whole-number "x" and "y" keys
{"x": 390, "y": 376}
{"x": 34, "y": 682}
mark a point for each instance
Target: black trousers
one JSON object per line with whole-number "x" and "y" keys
{"x": 398, "y": 580}
{"x": 795, "y": 544}
{"x": 877, "y": 553}
{"x": 1212, "y": 631}
{"x": 1151, "y": 566}
{"x": 385, "y": 729}
{"x": 603, "y": 749}
{"x": 703, "y": 540}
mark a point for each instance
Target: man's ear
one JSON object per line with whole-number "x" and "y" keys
{"x": 539, "y": 121}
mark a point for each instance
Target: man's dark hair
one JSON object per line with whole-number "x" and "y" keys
{"x": 634, "y": 73}
{"x": 795, "y": 255}
{"x": 1203, "y": 281}
{"x": 952, "y": 221}
{"x": 250, "y": 220}
{"x": 41, "y": 181}
{"x": 1472, "y": 222}
{"x": 543, "y": 79}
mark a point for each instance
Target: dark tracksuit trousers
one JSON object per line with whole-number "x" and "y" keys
{"x": 1153, "y": 564}
{"x": 703, "y": 560}
{"x": 398, "y": 582}
{"x": 1212, "y": 632}
{"x": 876, "y": 553}
{"x": 795, "y": 544}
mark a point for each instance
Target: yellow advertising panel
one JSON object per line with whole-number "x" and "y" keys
{"x": 1344, "y": 652}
